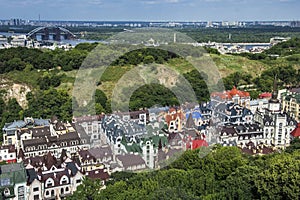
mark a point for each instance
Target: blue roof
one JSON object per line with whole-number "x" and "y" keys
{"x": 41, "y": 122}
{"x": 15, "y": 124}
{"x": 195, "y": 115}
{"x": 21, "y": 123}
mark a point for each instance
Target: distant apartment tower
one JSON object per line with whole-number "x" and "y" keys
{"x": 16, "y": 22}
{"x": 295, "y": 24}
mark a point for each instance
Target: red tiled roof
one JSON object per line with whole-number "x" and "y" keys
{"x": 296, "y": 131}
{"x": 265, "y": 95}
{"x": 199, "y": 143}
{"x": 230, "y": 93}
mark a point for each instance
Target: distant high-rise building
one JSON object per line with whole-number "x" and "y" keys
{"x": 295, "y": 24}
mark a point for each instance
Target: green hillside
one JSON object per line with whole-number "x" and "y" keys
{"x": 50, "y": 73}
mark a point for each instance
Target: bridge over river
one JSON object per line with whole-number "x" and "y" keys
{"x": 50, "y": 33}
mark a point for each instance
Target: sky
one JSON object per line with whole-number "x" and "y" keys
{"x": 151, "y": 10}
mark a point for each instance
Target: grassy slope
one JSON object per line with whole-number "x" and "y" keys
{"x": 226, "y": 64}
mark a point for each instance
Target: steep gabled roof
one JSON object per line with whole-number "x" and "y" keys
{"x": 190, "y": 122}
{"x": 296, "y": 132}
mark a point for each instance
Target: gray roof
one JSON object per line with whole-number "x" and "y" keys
{"x": 115, "y": 127}
{"x": 34, "y": 142}
{"x": 131, "y": 160}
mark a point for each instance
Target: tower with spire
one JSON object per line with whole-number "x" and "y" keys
{"x": 276, "y": 125}
{"x": 274, "y": 104}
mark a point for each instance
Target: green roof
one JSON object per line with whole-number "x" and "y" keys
{"x": 294, "y": 96}
{"x": 12, "y": 174}
{"x": 133, "y": 147}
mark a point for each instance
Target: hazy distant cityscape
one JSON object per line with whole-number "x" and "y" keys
{"x": 169, "y": 24}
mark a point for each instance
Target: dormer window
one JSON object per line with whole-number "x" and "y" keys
{"x": 64, "y": 180}
{"x": 49, "y": 182}
{"x": 6, "y": 192}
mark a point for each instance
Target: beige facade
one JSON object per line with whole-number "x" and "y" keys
{"x": 291, "y": 105}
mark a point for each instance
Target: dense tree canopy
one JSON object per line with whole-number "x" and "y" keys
{"x": 225, "y": 173}
{"x": 9, "y": 112}
{"x": 146, "y": 56}
{"x": 150, "y": 95}
{"x": 48, "y": 103}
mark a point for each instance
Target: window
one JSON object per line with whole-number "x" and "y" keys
{"x": 64, "y": 180}
{"x": 36, "y": 189}
{"x": 36, "y": 197}
{"x": 67, "y": 188}
{"x": 6, "y": 192}
{"x": 52, "y": 192}
{"x": 78, "y": 181}
{"x": 47, "y": 193}
{"x": 49, "y": 182}
{"x": 62, "y": 191}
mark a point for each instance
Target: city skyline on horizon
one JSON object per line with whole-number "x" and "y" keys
{"x": 152, "y": 10}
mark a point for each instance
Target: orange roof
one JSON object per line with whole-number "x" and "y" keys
{"x": 234, "y": 91}
{"x": 171, "y": 117}
{"x": 296, "y": 131}
{"x": 230, "y": 93}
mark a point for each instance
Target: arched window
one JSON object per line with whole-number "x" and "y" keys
{"x": 6, "y": 192}
{"x": 49, "y": 182}
{"x": 64, "y": 180}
